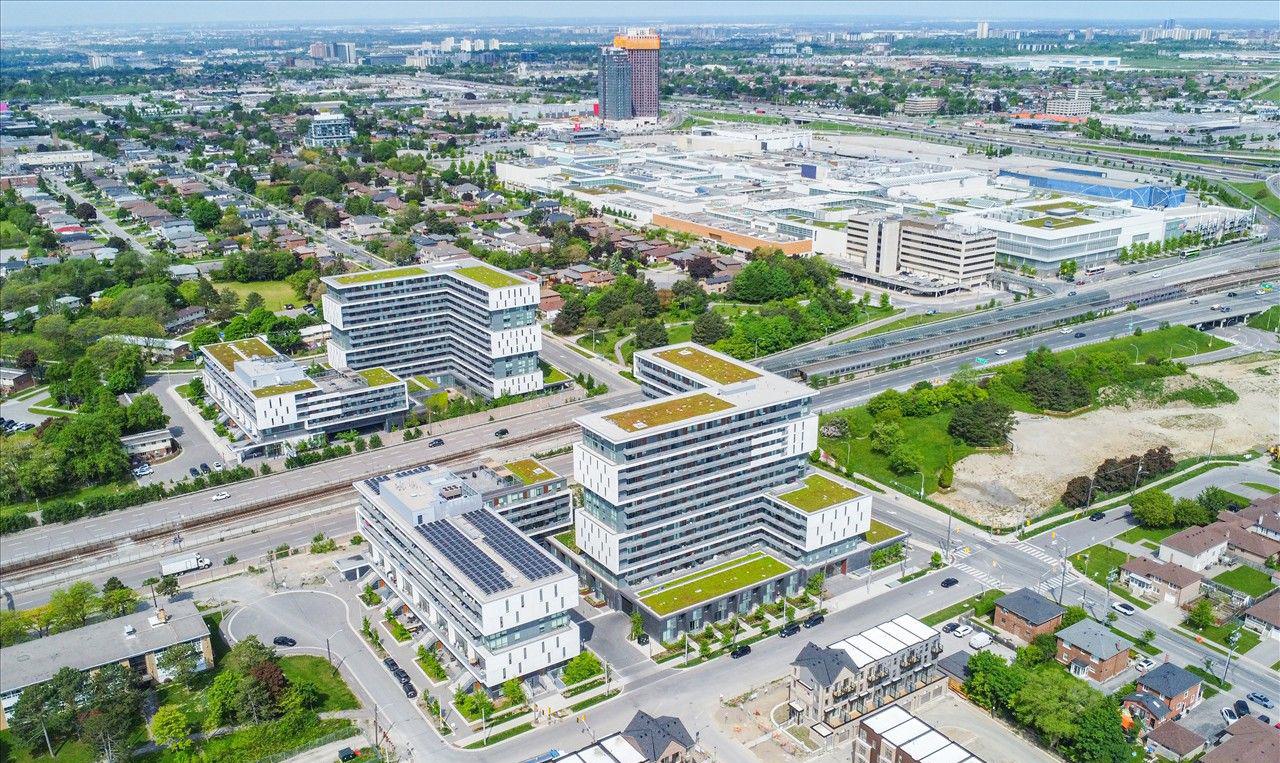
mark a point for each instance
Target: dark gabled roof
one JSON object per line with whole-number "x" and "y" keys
{"x": 822, "y": 664}
{"x": 1030, "y": 606}
{"x": 1168, "y": 680}
{"x": 1151, "y": 702}
{"x": 1176, "y": 738}
{"x": 652, "y": 736}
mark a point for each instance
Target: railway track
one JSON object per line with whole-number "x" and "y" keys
{"x": 35, "y": 565}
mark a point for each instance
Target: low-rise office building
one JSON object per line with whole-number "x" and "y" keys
{"x": 276, "y": 403}
{"x": 835, "y": 684}
{"x": 699, "y": 504}
{"x": 459, "y": 322}
{"x": 135, "y": 641}
{"x": 483, "y": 590}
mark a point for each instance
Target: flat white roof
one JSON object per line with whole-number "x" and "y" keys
{"x": 906, "y": 731}
{"x": 887, "y": 719}
{"x": 952, "y": 753}
{"x": 918, "y": 628}
{"x": 621, "y": 749}
{"x": 882, "y": 640}
{"x": 595, "y": 754}
{"x": 925, "y": 745}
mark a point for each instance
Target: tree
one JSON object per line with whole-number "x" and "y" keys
{"x": 1187, "y": 512}
{"x": 118, "y": 602}
{"x": 513, "y": 690}
{"x": 252, "y": 301}
{"x": 885, "y": 436}
{"x": 1051, "y": 702}
{"x": 992, "y": 682}
{"x": 1216, "y": 500}
{"x": 1078, "y": 492}
{"x": 1072, "y": 615}
{"x": 170, "y": 728}
{"x": 984, "y": 423}
{"x": 180, "y": 661}
{"x": 113, "y": 709}
{"x": 650, "y": 333}
{"x": 1099, "y": 735}
{"x": 637, "y": 624}
{"x": 904, "y": 459}
{"x": 168, "y": 586}
{"x": 1201, "y": 615}
{"x": 1067, "y": 270}
{"x": 27, "y": 359}
{"x": 70, "y": 607}
{"x": 14, "y": 627}
{"x": 1153, "y": 508}
{"x": 709, "y": 328}
{"x": 86, "y": 211}
{"x": 204, "y": 213}
{"x": 813, "y": 586}
{"x": 145, "y": 414}
{"x": 582, "y": 667}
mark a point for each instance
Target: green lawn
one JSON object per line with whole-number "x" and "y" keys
{"x": 712, "y": 582}
{"x": 879, "y": 531}
{"x": 1139, "y": 534}
{"x": 275, "y": 294}
{"x": 553, "y": 376}
{"x": 1262, "y": 487}
{"x": 325, "y": 677}
{"x": 906, "y": 323}
{"x": 1246, "y": 580}
{"x": 1257, "y": 191}
{"x": 927, "y": 436}
{"x": 986, "y": 598}
{"x": 1097, "y": 561}
{"x": 728, "y": 116}
{"x": 1269, "y": 319}
{"x": 1218, "y": 635}
{"x": 13, "y": 751}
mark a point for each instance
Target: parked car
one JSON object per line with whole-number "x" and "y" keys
{"x": 402, "y": 676}
{"x": 1145, "y": 664}
{"x": 948, "y": 582}
{"x": 1097, "y": 516}
{"x": 814, "y": 620}
{"x": 1265, "y": 719}
{"x": 391, "y": 664}
{"x": 283, "y": 641}
{"x": 204, "y": 468}
{"x": 435, "y": 443}
{"x": 194, "y": 472}
{"x": 1229, "y": 716}
{"x": 962, "y": 630}
{"x": 980, "y": 640}
{"x": 1064, "y": 330}
{"x": 409, "y": 691}
{"x": 642, "y": 639}
{"x": 1123, "y": 607}
{"x": 1232, "y": 294}
{"x": 950, "y": 627}
{"x": 790, "y": 629}
{"x": 217, "y": 466}
{"x": 1260, "y": 699}
{"x": 741, "y": 651}
{"x": 222, "y": 496}
{"x": 347, "y": 754}
{"x": 1241, "y": 707}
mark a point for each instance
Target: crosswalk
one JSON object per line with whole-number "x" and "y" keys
{"x": 1036, "y": 552}
{"x": 981, "y": 575}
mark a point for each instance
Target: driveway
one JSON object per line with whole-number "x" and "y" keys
{"x": 313, "y": 617}
{"x": 605, "y": 632}
{"x": 196, "y": 448}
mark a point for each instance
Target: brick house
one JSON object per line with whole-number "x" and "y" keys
{"x": 1162, "y": 695}
{"x": 1169, "y": 582}
{"x": 1026, "y": 614}
{"x": 1090, "y": 650}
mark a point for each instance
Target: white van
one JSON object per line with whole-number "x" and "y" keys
{"x": 980, "y": 640}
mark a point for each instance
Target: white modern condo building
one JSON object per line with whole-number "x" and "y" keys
{"x": 709, "y": 479}
{"x": 493, "y": 598}
{"x": 460, "y": 322}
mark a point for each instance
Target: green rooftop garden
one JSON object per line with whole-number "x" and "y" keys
{"x": 487, "y": 276}
{"x": 424, "y": 382}
{"x": 378, "y": 376}
{"x": 229, "y": 353}
{"x": 879, "y": 531}
{"x": 529, "y": 471}
{"x": 1078, "y": 206}
{"x": 668, "y": 412}
{"x": 705, "y": 364}
{"x": 1055, "y": 223}
{"x": 370, "y": 276}
{"x": 819, "y": 493}
{"x": 283, "y": 389}
{"x": 713, "y": 582}
{"x": 552, "y": 375}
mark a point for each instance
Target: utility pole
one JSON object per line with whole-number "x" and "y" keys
{"x": 1062, "y": 561}
{"x": 1232, "y": 639}
{"x": 950, "y": 519}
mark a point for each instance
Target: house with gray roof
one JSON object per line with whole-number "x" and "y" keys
{"x": 1163, "y": 694}
{"x": 1026, "y": 614}
{"x": 1091, "y": 650}
{"x": 134, "y": 640}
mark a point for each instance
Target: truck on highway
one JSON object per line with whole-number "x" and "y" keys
{"x": 180, "y": 564}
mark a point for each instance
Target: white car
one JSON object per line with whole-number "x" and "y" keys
{"x": 1229, "y": 715}
{"x": 962, "y": 631}
{"x": 217, "y": 466}
{"x": 224, "y": 495}
{"x": 1145, "y": 664}
{"x": 980, "y": 640}
{"x": 1064, "y": 330}
{"x": 1123, "y": 607}
{"x": 1002, "y": 351}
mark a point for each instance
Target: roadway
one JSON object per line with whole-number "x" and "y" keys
{"x": 104, "y": 219}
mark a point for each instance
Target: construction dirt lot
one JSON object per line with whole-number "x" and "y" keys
{"x": 1003, "y": 489}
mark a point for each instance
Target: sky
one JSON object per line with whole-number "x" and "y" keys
{"x": 1101, "y": 12}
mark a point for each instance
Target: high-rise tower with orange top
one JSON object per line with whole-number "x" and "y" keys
{"x": 642, "y": 51}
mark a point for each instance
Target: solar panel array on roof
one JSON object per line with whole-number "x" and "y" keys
{"x": 464, "y": 555}
{"x": 511, "y": 546}
{"x": 376, "y": 482}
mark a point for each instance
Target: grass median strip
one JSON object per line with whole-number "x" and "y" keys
{"x": 500, "y": 736}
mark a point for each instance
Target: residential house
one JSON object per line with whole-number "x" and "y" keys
{"x": 465, "y": 191}
{"x": 1262, "y": 517}
{"x": 1264, "y": 617}
{"x": 1163, "y": 694}
{"x": 656, "y": 255}
{"x": 1090, "y": 650}
{"x": 1026, "y": 614}
{"x": 185, "y": 317}
{"x": 441, "y": 251}
{"x": 1248, "y": 739}
{"x": 14, "y": 380}
{"x": 1156, "y": 581}
{"x": 1195, "y": 548}
{"x": 550, "y": 302}
{"x": 1173, "y": 741}
{"x": 645, "y": 739}
{"x": 175, "y": 228}
{"x": 1200, "y": 547}
{"x": 365, "y": 227}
